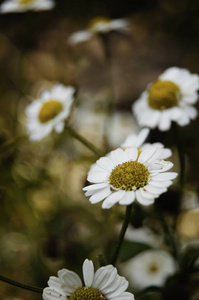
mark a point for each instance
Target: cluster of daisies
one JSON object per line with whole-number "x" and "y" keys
{"x": 136, "y": 171}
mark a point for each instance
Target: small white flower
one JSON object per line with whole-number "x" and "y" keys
{"x": 98, "y": 25}
{"x": 137, "y": 140}
{"x": 105, "y": 284}
{"x": 149, "y": 268}
{"x": 10, "y": 6}
{"x": 170, "y": 98}
{"x": 125, "y": 175}
{"x": 49, "y": 111}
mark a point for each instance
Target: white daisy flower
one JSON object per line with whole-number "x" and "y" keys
{"x": 149, "y": 268}
{"x": 10, "y": 6}
{"x": 49, "y": 111}
{"x": 170, "y": 98}
{"x": 105, "y": 284}
{"x": 137, "y": 140}
{"x": 126, "y": 175}
{"x": 98, "y": 25}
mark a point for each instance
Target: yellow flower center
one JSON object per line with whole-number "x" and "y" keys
{"x": 95, "y": 22}
{"x": 163, "y": 95}
{"x": 50, "y": 110}
{"x": 129, "y": 176}
{"x": 153, "y": 268}
{"x": 86, "y": 293}
{"x": 25, "y": 1}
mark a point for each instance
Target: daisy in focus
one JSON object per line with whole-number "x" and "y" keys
{"x": 103, "y": 284}
{"x": 125, "y": 175}
{"x": 49, "y": 112}
{"x": 137, "y": 140}
{"x": 169, "y": 98}
{"x": 98, "y": 25}
{"x": 149, "y": 268}
{"x": 10, "y": 6}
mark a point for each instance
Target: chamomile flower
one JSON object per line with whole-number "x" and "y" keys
{"x": 98, "y": 25}
{"x": 170, "y": 98}
{"x": 126, "y": 174}
{"x": 103, "y": 284}
{"x": 49, "y": 111}
{"x": 137, "y": 140}
{"x": 149, "y": 268}
{"x": 10, "y": 6}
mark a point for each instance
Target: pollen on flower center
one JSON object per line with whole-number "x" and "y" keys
{"x": 50, "y": 110}
{"x": 25, "y": 1}
{"x": 163, "y": 94}
{"x": 86, "y": 293}
{"x": 153, "y": 268}
{"x": 129, "y": 176}
{"x": 95, "y": 22}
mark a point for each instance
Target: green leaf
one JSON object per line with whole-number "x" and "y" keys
{"x": 130, "y": 249}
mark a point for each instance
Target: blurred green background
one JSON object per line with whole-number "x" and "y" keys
{"x": 46, "y": 221}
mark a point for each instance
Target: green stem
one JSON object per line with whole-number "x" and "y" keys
{"x": 82, "y": 140}
{"x": 170, "y": 239}
{"x": 180, "y": 154}
{"x": 21, "y": 285}
{"x": 122, "y": 232}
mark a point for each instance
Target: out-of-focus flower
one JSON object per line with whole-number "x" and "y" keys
{"x": 105, "y": 284}
{"x": 149, "y": 268}
{"x": 49, "y": 111}
{"x": 137, "y": 140}
{"x": 125, "y": 175}
{"x": 143, "y": 235}
{"x": 170, "y": 98}
{"x": 120, "y": 124}
{"x": 96, "y": 26}
{"x": 12, "y": 6}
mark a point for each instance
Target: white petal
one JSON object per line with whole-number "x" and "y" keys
{"x": 164, "y": 176}
{"x": 118, "y": 287}
{"x": 55, "y": 284}
{"x": 155, "y": 190}
{"x": 80, "y": 36}
{"x": 106, "y": 163}
{"x": 59, "y": 127}
{"x": 128, "y": 198}
{"x": 160, "y": 184}
{"x": 112, "y": 199}
{"x": 131, "y": 154}
{"x": 102, "y": 275}
{"x": 165, "y": 121}
{"x": 118, "y": 156}
{"x": 70, "y": 281}
{"x": 95, "y": 186}
{"x": 97, "y": 177}
{"x": 146, "y": 154}
{"x": 142, "y": 199}
{"x": 99, "y": 196}
{"x": 124, "y": 296}
{"x": 50, "y": 294}
{"x": 88, "y": 272}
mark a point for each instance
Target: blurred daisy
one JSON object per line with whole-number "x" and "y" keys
{"x": 49, "y": 111}
{"x": 25, "y": 5}
{"x": 96, "y": 26}
{"x": 149, "y": 268}
{"x": 137, "y": 140}
{"x": 170, "y": 98}
{"x": 126, "y": 175}
{"x": 104, "y": 284}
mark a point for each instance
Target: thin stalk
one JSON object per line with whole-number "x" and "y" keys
{"x": 122, "y": 232}
{"x": 180, "y": 154}
{"x": 21, "y": 285}
{"x": 170, "y": 239}
{"x": 82, "y": 140}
